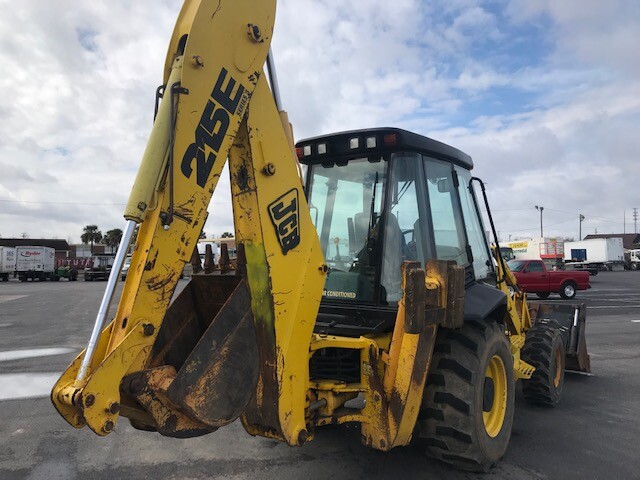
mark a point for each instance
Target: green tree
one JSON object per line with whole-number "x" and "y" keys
{"x": 112, "y": 238}
{"x": 226, "y": 235}
{"x": 91, "y": 234}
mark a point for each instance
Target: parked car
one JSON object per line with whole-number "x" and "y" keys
{"x": 533, "y": 276}
{"x": 125, "y": 268}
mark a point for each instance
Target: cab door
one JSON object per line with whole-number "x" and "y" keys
{"x": 536, "y": 276}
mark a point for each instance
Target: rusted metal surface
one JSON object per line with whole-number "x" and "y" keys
{"x": 415, "y": 297}
{"x": 209, "y": 262}
{"x": 395, "y": 392}
{"x": 203, "y": 367}
{"x": 195, "y": 261}
{"x": 220, "y": 374}
{"x": 445, "y": 292}
{"x": 148, "y": 388}
{"x": 224, "y": 263}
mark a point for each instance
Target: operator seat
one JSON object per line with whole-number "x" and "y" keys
{"x": 391, "y": 278}
{"x": 361, "y": 228}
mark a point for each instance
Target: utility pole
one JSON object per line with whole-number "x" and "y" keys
{"x": 580, "y": 234}
{"x": 540, "y": 209}
{"x": 635, "y": 220}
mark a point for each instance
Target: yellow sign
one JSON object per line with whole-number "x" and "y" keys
{"x": 519, "y": 244}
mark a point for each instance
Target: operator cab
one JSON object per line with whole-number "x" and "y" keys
{"x": 379, "y": 197}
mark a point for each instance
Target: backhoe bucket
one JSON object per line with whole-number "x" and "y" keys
{"x": 203, "y": 367}
{"x": 571, "y": 318}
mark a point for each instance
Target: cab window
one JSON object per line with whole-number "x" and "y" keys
{"x": 448, "y": 227}
{"x": 473, "y": 225}
{"x": 535, "y": 267}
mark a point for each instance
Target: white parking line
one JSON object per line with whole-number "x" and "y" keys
{"x": 630, "y": 294}
{"x": 589, "y": 307}
{"x": 33, "y": 353}
{"x": 8, "y": 298}
{"x": 26, "y": 385}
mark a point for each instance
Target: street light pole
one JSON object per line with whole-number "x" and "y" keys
{"x": 540, "y": 209}
{"x": 580, "y": 234}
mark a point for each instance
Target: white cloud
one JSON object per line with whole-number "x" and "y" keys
{"x": 76, "y": 99}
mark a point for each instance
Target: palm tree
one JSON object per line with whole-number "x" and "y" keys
{"x": 112, "y": 238}
{"x": 91, "y": 234}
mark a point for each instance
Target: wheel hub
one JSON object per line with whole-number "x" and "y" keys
{"x": 494, "y": 396}
{"x": 488, "y": 394}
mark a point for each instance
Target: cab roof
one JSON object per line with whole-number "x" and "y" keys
{"x": 354, "y": 144}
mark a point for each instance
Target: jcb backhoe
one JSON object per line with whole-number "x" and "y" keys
{"x": 368, "y": 295}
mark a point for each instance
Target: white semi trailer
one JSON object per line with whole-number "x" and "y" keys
{"x": 35, "y": 263}
{"x": 7, "y": 262}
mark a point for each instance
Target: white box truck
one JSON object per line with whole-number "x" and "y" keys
{"x": 600, "y": 253}
{"x": 7, "y": 262}
{"x": 35, "y": 263}
{"x": 546, "y": 249}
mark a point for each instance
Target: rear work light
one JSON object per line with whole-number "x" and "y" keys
{"x": 307, "y": 150}
{"x": 390, "y": 140}
{"x": 371, "y": 142}
{"x": 322, "y": 148}
{"x": 354, "y": 143}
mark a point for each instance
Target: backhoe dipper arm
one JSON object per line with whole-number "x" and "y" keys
{"x": 216, "y": 104}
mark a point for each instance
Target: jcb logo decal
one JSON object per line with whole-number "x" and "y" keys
{"x": 284, "y": 215}
{"x": 213, "y": 127}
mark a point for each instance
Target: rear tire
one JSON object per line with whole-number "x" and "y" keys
{"x": 568, "y": 290}
{"x": 544, "y": 348}
{"x": 542, "y": 295}
{"x": 468, "y": 403}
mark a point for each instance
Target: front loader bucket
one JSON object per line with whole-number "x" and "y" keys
{"x": 571, "y": 318}
{"x": 203, "y": 367}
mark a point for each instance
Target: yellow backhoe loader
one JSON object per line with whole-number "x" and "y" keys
{"x": 367, "y": 295}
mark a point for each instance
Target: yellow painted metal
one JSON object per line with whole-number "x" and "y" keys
{"x": 521, "y": 369}
{"x": 392, "y": 383}
{"x": 220, "y": 85}
{"x": 154, "y": 161}
{"x": 494, "y": 418}
{"x": 64, "y": 396}
{"x": 518, "y": 318}
{"x": 217, "y": 52}
{"x": 284, "y": 262}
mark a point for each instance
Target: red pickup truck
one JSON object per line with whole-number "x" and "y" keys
{"x": 533, "y": 276}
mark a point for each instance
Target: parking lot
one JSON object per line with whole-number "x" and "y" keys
{"x": 592, "y": 434}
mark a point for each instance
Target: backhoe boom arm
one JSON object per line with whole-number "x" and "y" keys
{"x": 216, "y": 105}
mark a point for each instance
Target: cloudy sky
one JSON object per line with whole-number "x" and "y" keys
{"x": 544, "y": 95}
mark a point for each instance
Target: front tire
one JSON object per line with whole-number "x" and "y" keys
{"x": 568, "y": 290}
{"x": 544, "y": 348}
{"x": 468, "y": 403}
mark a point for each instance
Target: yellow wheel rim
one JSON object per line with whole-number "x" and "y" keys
{"x": 494, "y": 412}
{"x": 558, "y": 376}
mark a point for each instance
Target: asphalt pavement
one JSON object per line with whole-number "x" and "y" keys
{"x": 592, "y": 434}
